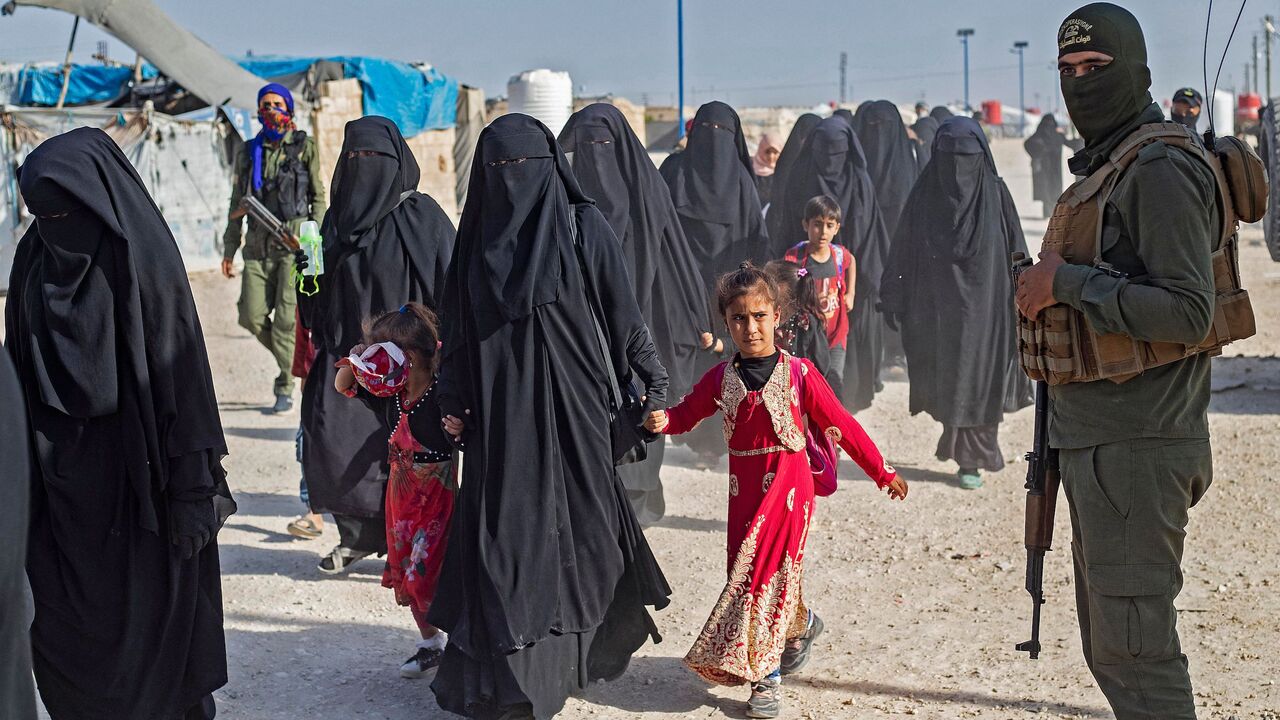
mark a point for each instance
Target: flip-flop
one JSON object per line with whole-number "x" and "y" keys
{"x": 305, "y": 528}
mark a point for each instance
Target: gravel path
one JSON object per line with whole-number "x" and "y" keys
{"x": 923, "y": 601}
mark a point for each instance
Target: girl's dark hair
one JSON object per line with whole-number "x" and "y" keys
{"x": 746, "y": 280}
{"x": 822, "y": 207}
{"x": 799, "y": 288}
{"x": 413, "y": 328}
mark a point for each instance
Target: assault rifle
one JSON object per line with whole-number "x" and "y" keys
{"x": 251, "y": 206}
{"x": 1042, "y": 499}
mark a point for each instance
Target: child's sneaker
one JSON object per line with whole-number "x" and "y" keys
{"x": 427, "y": 659}
{"x": 765, "y": 698}
{"x": 796, "y": 654}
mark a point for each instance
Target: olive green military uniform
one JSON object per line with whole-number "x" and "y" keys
{"x": 268, "y": 303}
{"x": 1135, "y": 456}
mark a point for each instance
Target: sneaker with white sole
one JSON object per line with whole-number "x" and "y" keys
{"x": 423, "y": 663}
{"x": 766, "y": 700}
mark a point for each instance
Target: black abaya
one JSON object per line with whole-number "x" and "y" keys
{"x": 17, "y": 695}
{"x": 832, "y": 164}
{"x": 1045, "y": 147}
{"x": 385, "y": 244}
{"x": 791, "y": 151}
{"x": 127, "y": 488}
{"x": 613, "y": 169}
{"x": 714, "y": 191}
{"x": 926, "y": 129}
{"x": 949, "y": 283}
{"x": 891, "y": 160}
{"x": 547, "y": 572}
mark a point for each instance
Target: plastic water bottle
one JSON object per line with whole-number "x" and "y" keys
{"x": 313, "y": 246}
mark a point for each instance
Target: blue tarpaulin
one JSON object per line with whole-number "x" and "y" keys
{"x": 416, "y": 99}
{"x": 41, "y": 85}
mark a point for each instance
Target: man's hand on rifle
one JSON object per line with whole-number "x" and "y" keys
{"x": 228, "y": 268}
{"x": 1035, "y": 285}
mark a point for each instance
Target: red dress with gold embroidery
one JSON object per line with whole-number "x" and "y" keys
{"x": 771, "y": 502}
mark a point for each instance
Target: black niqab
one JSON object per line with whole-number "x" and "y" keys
{"x": 832, "y": 164}
{"x": 791, "y": 151}
{"x": 891, "y": 160}
{"x": 941, "y": 113}
{"x": 385, "y": 244}
{"x": 1045, "y": 147}
{"x": 926, "y": 129}
{"x": 949, "y": 283}
{"x": 547, "y": 572}
{"x": 105, "y": 337}
{"x": 613, "y": 168}
{"x": 714, "y": 190}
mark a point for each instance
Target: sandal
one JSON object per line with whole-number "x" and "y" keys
{"x": 339, "y": 559}
{"x": 305, "y": 528}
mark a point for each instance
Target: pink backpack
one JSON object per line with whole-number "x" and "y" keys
{"x": 824, "y": 456}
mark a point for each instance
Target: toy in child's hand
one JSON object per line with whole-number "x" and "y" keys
{"x": 382, "y": 369}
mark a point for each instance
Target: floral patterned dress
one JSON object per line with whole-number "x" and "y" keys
{"x": 419, "y": 503}
{"x": 771, "y": 502}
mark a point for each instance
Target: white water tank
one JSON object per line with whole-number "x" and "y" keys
{"x": 544, "y": 94}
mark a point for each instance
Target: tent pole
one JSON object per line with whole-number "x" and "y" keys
{"x": 66, "y": 66}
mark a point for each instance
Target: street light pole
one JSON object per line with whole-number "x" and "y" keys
{"x": 1268, "y": 24}
{"x": 680, "y": 67}
{"x": 1020, "y": 48}
{"x": 964, "y": 35}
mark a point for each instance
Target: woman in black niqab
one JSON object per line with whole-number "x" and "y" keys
{"x": 1045, "y": 147}
{"x": 385, "y": 244}
{"x": 925, "y": 129}
{"x": 832, "y": 164}
{"x": 547, "y": 573}
{"x": 791, "y": 150}
{"x": 891, "y": 159}
{"x": 949, "y": 285}
{"x": 714, "y": 191}
{"x": 128, "y": 489}
{"x": 612, "y": 168}
{"x": 941, "y": 113}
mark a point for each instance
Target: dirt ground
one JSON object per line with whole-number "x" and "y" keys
{"x": 923, "y": 600}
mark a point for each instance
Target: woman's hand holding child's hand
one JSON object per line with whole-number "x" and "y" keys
{"x": 656, "y": 422}
{"x": 898, "y": 489}
{"x": 454, "y": 426}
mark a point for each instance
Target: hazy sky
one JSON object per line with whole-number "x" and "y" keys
{"x": 747, "y": 52}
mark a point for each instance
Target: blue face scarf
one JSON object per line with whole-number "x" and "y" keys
{"x": 275, "y": 124}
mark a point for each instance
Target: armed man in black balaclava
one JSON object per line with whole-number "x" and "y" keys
{"x": 1134, "y": 455}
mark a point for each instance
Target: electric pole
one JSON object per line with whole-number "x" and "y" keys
{"x": 1269, "y": 26}
{"x": 844, "y": 70}
{"x": 964, "y": 35}
{"x": 1020, "y": 48}
{"x": 680, "y": 68}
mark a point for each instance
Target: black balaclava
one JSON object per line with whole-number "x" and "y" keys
{"x": 1111, "y": 97}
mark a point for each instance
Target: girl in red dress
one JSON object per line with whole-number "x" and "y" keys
{"x": 421, "y": 485}
{"x": 760, "y": 628}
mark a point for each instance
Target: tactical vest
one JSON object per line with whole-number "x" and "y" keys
{"x": 1060, "y": 346}
{"x": 287, "y": 194}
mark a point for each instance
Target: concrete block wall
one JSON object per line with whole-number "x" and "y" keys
{"x": 342, "y": 101}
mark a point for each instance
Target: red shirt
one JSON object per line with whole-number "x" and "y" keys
{"x": 831, "y": 289}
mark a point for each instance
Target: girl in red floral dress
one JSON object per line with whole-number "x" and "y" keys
{"x": 760, "y": 628}
{"x": 421, "y": 485}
